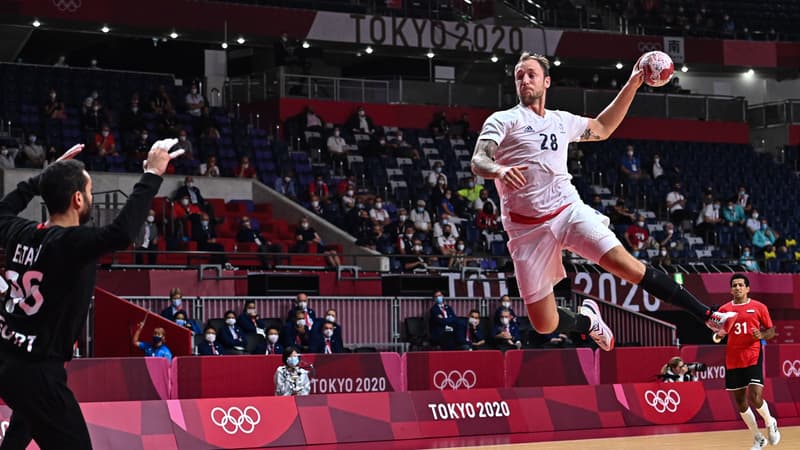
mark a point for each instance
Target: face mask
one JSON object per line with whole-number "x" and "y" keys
{"x": 96, "y": 108}
{"x": 474, "y": 322}
{"x": 403, "y": 217}
{"x": 445, "y": 221}
{"x": 53, "y": 96}
{"x": 716, "y": 206}
{"x": 442, "y": 183}
{"x": 287, "y": 179}
{"x": 745, "y": 253}
{"x": 151, "y": 219}
{"x": 755, "y": 216}
{"x": 302, "y": 305}
{"x": 315, "y": 203}
{"x": 272, "y": 338}
{"x": 32, "y": 139}
{"x": 471, "y": 185}
{"x": 378, "y": 205}
{"x": 409, "y": 235}
{"x": 663, "y": 253}
{"x": 104, "y": 133}
{"x": 417, "y": 248}
{"x": 180, "y": 322}
{"x": 630, "y": 153}
{"x": 157, "y": 340}
{"x": 656, "y": 160}
{"x": 327, "y": 332}
{"x": 330, "y": 318}
{"x": 460, "y": 248}
{"x": 251, "y": 311}
{"x": 194, "y": 91}
{"x": 304, "y": 225}
{"x": 640, "y": 223}
{"x": 144, "y": 137}
{"x": 182, "y": 138}
{"x": 439, "y": 299}
{"x": 135, "y": 110}
{"x": 185, "y": 201}
{"x": 293, "y": 361}
{"x": 730, "y": 207}
{"x": 336, "y": 133}
{"x": 211, "y": 337}
{"x": 742, "y": 192}
{"x": 301, "y": 322}
{"x": 4, "y": 152}
{"x": 95, "y": 95}
{"x": 506, "y": 304}
{"x": 350, "y": 193}
{"x": 763, "y": 226}
{"x": 204, "y": 223}
{"x": 438, "y": 170}
{"x": 230, "y": 321}
{"x": 362, "y": 113}
{"x": 176, "y": 302}
{"x": 420, "y": 209}
{"x": 505, "y": 320}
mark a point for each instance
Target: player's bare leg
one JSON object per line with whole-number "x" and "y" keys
{"x": 741, "y": 396}
{"x": 622, "y": 264}
{"x": 546, "y": 318}
{"x": 755, "y": 397}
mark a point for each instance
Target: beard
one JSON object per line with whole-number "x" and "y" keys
{"x": 86, "y": 214}
{"x": 529, "y": 97}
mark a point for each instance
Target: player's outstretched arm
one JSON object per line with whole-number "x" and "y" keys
{"x": 484, "y": 165}
{"x": 601, "y": 127}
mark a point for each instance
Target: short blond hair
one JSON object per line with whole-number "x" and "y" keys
{"x": 541, "y": 59}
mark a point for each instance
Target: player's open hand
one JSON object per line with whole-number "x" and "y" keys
{"x": 513, "y": 177}
{"x": 71, "y": 153}
{"x": 159, "y": 155}
{"x": 637, "y": 74}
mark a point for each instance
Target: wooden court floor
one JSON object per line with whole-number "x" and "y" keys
{"x": 709, "y": 440}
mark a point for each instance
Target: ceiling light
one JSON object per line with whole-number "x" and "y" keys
{"x": 494, "y": 58}
{"x": 469, "y": 2}
{"x": 306, "y": 44}
{"x": 368, "y": 50}
{"x": 684, "y": 68}
{"x": 358, "y": 54}
{"x": 619, "y": 65}
{"x": 105, "y": 29}
{"x": 749, "y": 73}
{"x": 557, "y": 62}
{"x": 173, "y": 35}
{"x": 36, "y": 23}
{"x": 430, "y": 54}
{"x": 224, "y": 45}
{"x": 240, "y": 40}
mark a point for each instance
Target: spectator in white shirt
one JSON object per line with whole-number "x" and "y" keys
{"x": 421, "y": 217}
{"x": 194, "y": 102}
{"x": 336, "y": 144}
{"x": 444, "y": 221}
{"x": 377, "y": 214}
{"x": 446, "y": 243}
{"x": 483, "y": 197}
{"x": 7, "y": 157}
{"x": 436, "y": 175}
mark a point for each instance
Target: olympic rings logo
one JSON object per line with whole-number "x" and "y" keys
{"x": 791, "y": 368}
{"x": 234, "y": 419}
{"x": 663, "y": 401}
{"x": 454, "y": 379}
{"x": 67, "y": 5}
{"x": 648, "y": 46}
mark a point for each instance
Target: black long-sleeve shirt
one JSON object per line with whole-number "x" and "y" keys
{"x": 51, "y": 271}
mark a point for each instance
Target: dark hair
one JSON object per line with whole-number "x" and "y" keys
{"x": 230, "y": 311}
{"x": 287, "y": 352}
{"x": 253, "y": 302}
{"x": 209, "y": 327}
{"x": 740, "y": 276}
{"x": 474, "y": 311}
{"x": 273, "y": 327}
{"x": 59, "y": 182}
{"x": 181, "y": 313}
{"x": 542, "y": 60}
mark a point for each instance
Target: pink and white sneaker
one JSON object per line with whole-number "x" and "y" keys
{"x": 721, "y": 321}
{"x": 598, "y": 329}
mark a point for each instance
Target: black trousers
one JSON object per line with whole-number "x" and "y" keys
{"x": 44, "y": 408}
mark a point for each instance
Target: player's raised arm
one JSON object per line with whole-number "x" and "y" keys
{"x": 601, "y": 127}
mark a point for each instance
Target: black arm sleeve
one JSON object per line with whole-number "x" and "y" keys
{"x": 15, "y": 202}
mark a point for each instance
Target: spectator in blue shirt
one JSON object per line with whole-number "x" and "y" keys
{"x": 158, "y": 348}
{"x": 286, "y": 185}
{"x": 630, "y": 165}
{"x": 763, "y": 236}
{"x": 749, "y": 261}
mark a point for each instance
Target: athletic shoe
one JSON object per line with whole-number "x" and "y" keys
{"x": 759, "y": 442}
{"x": 772, "y": 432}
{"x": 720, "y": 321}
{"x": 598, "y": 329}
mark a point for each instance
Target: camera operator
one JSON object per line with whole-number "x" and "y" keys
{"x": 676, "y": 370}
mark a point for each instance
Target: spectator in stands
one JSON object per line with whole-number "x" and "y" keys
{"x": 61, "y": 61}
{"x": 183, "y": 321}
{"x": 104, "y": 141}
{"x": 194, "y": 101}
{"x": 249, "y": 320}
{"x": 376, "y": 240}
{"x": 444, "y": 219}
{"x": 416, "y": 260}
{"x": 662, "y": 259}
{"x": 318, "y": 187}
{"x": 184, "y": 143}
{"x": 331, "y": 316}
{"x": 89, "y": 101}
{"x": 326, "y": 341}
{"x": 286, "y": 185}
{"x": 248, "y": 234}
{"x": 630, "y": 166}
{"x": 54, "y": 107}
{"x": 638, "y": 237}
{"x": 439, "y": 126}
{"x": 360, "y": 123}
{"x": 52, "y": 155}
{"x": 133, "y": 117}
{"x": 748, "y": 260}
{"x": 398, "y": 227}
{"x": 597, "y": 204}
{"x": 7, "y": 157}
{"x": 405, "y": 241}
{"x": 210, "y": 168}
{"x": 676, "y": 371}
{"x": 244, "y": 169}
{"x": 362, "y": 226}
{"x": 176, "y": 304}
{"x": 186, "y": 213}
{"x": 734, "y": 214}
{"x": 709, "y": 218}
{"x": 311, "y": 121}
{"x": 474, "y": 336}
{"x": 348, "y": 199}
{"x": 160, "y": 102}
{"x": 742, "y": 196}
{"x": 436, "y": 176}
{"x": 337, "y": 146}
{"x": 300, "y": 304}
{"x": 421, "y": 217}
{"x": 489, "y": 225}
{"x": 671, "y": 238}
{"x": 461, "y": 127}
{"x": 157, "y": 348}
{"x": 504, "y": 304}
{"x": 446, "y": 206}
{"x": 378, "y": 215}
{"x": 315, "y": 206}
{"x": 297, "y": 332}
{"x": 506, "y": 333}
{"x": 290, "y": 378}
{"x": 305, "y": 235}
{"x": 657, "y": 169}
{"x": 168, "y": 123}
{"x": 210, "y": 346}
{"x": 232, "y": 337}
{"x": 753, "y": 224}
{"x": 471, "y": 191}
{"x": 399, "y": 143}
{"x": 442, "y": 323}
{"x": 483, "y": 197}
{"x": 94, "y": 118}
{"x": 33, "y": 152}
{"x": 147, "y": 240}
{"x": 763, "y": 237}
{"x": 676, "y": 202}
{"x": 206, "y": 237}
{"x": 271, "y": 345}
{"x": 460, "y": 259}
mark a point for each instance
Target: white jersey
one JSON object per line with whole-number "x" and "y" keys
{"x": 526, "y": 139}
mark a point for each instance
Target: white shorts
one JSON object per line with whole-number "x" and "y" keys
{"x": 536, "y": 249}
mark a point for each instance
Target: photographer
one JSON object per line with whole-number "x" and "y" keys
{"x": 676, "y": 370}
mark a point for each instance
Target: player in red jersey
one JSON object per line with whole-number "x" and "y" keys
{"x": 744, "y": 375}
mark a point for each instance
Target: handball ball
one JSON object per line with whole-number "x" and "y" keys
{"x": 658, "y": 68}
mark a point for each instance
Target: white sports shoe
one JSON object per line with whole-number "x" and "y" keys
{"x": 720, "y": 321}
{"x": 759, "y": 442}
{"x": 598, "y": 329}
{"x": 772, "y": 432}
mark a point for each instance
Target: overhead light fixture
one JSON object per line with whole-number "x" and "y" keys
{"x": 494, "y": 58}
{"x": 369, "y": 50}
{"x": 240, "y": 40}
{"x": 619, "y": 66}
{"x": 557, "y": 62}
{"x": 173, "y": 35}
{"x": 306, "y": 44}
{"x": 358, "y": 54}
{"x": 469, "y": 2}
{"x": 224, "y": 45}
{"x": 36, "y": 23}
{"x": 749, "y": 73}
{"x": 430, "y": 54}
{"x": 684, "y": 68}
{"x": 105, "y": 29}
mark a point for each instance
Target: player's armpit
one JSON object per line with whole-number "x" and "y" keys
{"x": 482, "y": 162}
